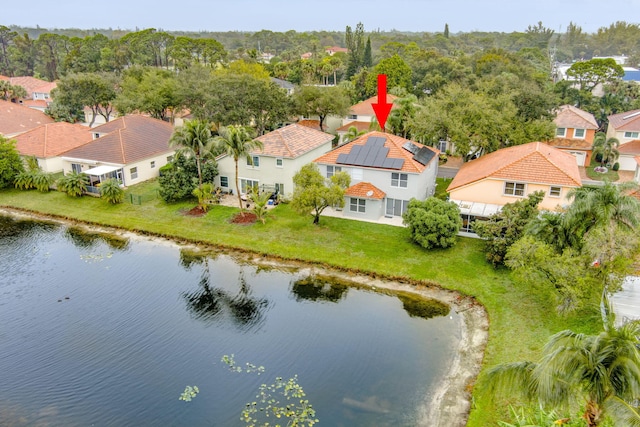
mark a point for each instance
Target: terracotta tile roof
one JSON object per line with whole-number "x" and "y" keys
{"x": 313, "y": 124}
{"x": 631, "y": 147}
{"x": 534, "y": 162}
{"x": 5, "y": 78}
{"x": 291, "y": 141}
{"x": 31, "y": 85}
{"x": 16, "y": 118}
{"x": 35, "y": 103}
{"x": 569, "y": 116}
{"x": 574, "y": 144}
{"x": 365, "y": 108}
{"x": 52, "y": 139}
{"x": 361, "y": 126}
{"x": 132, "y": 139}
{"x": 629, "y": 120}
{"x": 393, "y": 142}
{"x": 365, "y": 190}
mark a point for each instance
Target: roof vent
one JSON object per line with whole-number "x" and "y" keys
{"x": 369, "y": 193}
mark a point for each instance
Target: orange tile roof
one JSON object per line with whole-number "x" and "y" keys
{"x": 631, "y": 147}
{"x": 393, "y": 142}
{"x": 5, "y": 78}
{"x": 365, "y": 107}
{"x": 365, "y": 190}
{"x": 52, "y": 139}
{"x": 291, "y": 141}
{"x": 313, "y": 124}
{"x": 31, "y": 85}
{"x": 359, "y": 125}
{"x": 574, "y": 144}
{"x": 534, "y": 162}
{"x": 629, "y": 120}
{"x": 569, "y": 116}
{"x": 16, "y": 118}
{"x": 131, "y": 139}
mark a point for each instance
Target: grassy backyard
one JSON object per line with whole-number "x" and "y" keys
{"x": 520, "y": 320}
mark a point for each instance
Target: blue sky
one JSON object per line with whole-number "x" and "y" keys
{"x": 301, "y": 15}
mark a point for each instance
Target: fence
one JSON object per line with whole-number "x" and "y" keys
{"x": 138, "y": 199}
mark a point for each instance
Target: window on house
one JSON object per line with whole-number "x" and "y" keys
{"x": 555, "y": 191}
{"x": 357, "y": 205}
{"x": 153, "y": 164}
{"x": 134, "y": 173}
{"x": 396, "y": 207}
{"x": 442, "y": 146}
{"x": 631, "y": 134}
{"x": 76, "y": 167}
{"x": 96, "y": 135}
{"x": 224, "y": 181}
{"x": 280, "y": 188}
{"x": 561, "y": 131}
{"x": 353, "y": 117}
{"x": 279, "y": 163}
{"x": 399, "y": 179}
{"x": 332, "y": 170}
{"x": 247, "y": 184}
{"x": 579, "y": 133}
{"x": 514, "y": 189}
{"x": 253, "y": 161}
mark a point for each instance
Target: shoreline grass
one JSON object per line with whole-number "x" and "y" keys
{"x": 520, "y": 320}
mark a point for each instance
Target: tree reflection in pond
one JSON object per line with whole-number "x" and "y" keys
{"x": 316, "y": 288}
{"x": 426, "y": 308}
{"x": 86, "y": 240}
{"x": 210, "y": 303}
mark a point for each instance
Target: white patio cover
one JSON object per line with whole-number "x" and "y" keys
{"x": 101, "y": 170}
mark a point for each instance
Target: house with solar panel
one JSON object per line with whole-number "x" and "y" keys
{"x": 271, "y": 168}
{"x": 386, "y": 172}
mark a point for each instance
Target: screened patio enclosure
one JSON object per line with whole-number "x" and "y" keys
{"x": 100, "y": 174}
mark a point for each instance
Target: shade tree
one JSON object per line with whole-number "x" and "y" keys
{"x": 314, "y": 193}
{"x": 433, "y": 223}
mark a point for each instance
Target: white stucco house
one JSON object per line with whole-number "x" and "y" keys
{"x": 131, "y": 149}
{"x": 272, "y": 168}
{"x": 386, "y": 172}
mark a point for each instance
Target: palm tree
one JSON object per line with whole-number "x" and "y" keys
{"x": 606, "y": 147}
{"x": 605, "y": 205}
{"x": 603, "y": 371}
{"x": 352, "y": 133}
{"x": 237, "y": 141}
{"x": 194, "y": 138}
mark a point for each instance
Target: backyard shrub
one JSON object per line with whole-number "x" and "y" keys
{"x": 433, "y": 223}
{"x": 616, "y": 166}
{"x": 111, "y": 191}
{"x": 74, "y": 184}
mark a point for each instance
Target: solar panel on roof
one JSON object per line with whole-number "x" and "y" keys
{"x": 424, "y": 156}
{"x": 372, "y": 154}
{"x": 376, "y": 141}
{"x": 411, "y": 147}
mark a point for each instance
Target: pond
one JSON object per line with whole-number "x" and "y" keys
{"x": 104, "y": 330}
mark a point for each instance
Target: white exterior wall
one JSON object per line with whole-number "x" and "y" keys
{"x": 51, "y": 165}
{"x": 267, "y": 173}
{"x": 374, "y": 209}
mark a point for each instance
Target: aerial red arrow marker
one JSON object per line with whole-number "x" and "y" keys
{"x": 382, "y": 108}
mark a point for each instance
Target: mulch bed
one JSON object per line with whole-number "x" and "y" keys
{"x": 196, "y": 211}
{"x": 244, "y": 218}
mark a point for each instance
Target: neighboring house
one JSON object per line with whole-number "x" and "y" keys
{"x": 482, "y": 186}
{"x": 16, "y": 119}
{"x": 313, "y": 124}
{"x": 625, "y": 127}
{"x": 47, "y": 142}
{"x": 287, "y": 86}
{"x": 38, "y": 91}
{"x": 386, "y": 172}
{"x": 131, "y": 149}
{"x": 363, "y": 111}
{"x": 575, "y": 131}
{"x": 629, "y": 155}
{"x": 272, "y": 168}
{"x": 335, "y": 49}
{"x": 342, "y": 130}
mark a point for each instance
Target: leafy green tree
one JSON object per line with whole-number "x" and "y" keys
{"x": 433, "y": 223}
{"x": 237, "y": 141}
{"x": 401, "y": 117}
{"x": 96, "y": 91}
{"x": 397, "y": 71}
{"x": 590, "y": 73}
{"x": 504, "y": 228}
{"x": 355, "y": 44}
{"x": 52, "y": 49}
{"x": 6, "y": 40}
{"x": 353, "y": 133}
{"x": 74, "y": 184}
{"x": 10, "y": 162}
{"x": 205, "y": 194}
{"x": 10, "y": 92}
{"x": 321, "y": 101}
{"x": 600, "y": 371}
{"x": 260, "y": 201}
{"x": 111, "y": 191}
{"x": 194, "y": 139}
{"x": 148, "y": 90}
{"x": 607, "y": 148}
{"x": 313, "y": 193}
{"x": 178, "y": 179}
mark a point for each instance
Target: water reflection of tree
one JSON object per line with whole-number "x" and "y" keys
{"x": 86, "y": 240}
{"x": 417, "y": 306}
{"x": 19, "y": 228}
{"x": 315, "y": 288}
{"x": 210, "y": 303}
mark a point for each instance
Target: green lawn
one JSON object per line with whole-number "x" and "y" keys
{"x": 520, "y": 321}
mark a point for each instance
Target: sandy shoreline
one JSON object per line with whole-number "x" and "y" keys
{"x": 446, "y": 406}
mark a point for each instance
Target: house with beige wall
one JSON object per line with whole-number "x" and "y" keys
{"x": 482, "y": 186}
{"x": 386, "y": 170}
{"x": 272, "y": 167}
{"x": 625, "y": 127}
{"x": 131, "y": 149}
{"x": 575, "y": 132}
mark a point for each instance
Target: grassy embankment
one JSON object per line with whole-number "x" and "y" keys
{"x": 520, "y": 320}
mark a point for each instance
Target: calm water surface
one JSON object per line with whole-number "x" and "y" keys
{"x": 106, "y": 332}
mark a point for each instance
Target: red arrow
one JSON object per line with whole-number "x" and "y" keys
{"x": 382, "y": 108}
